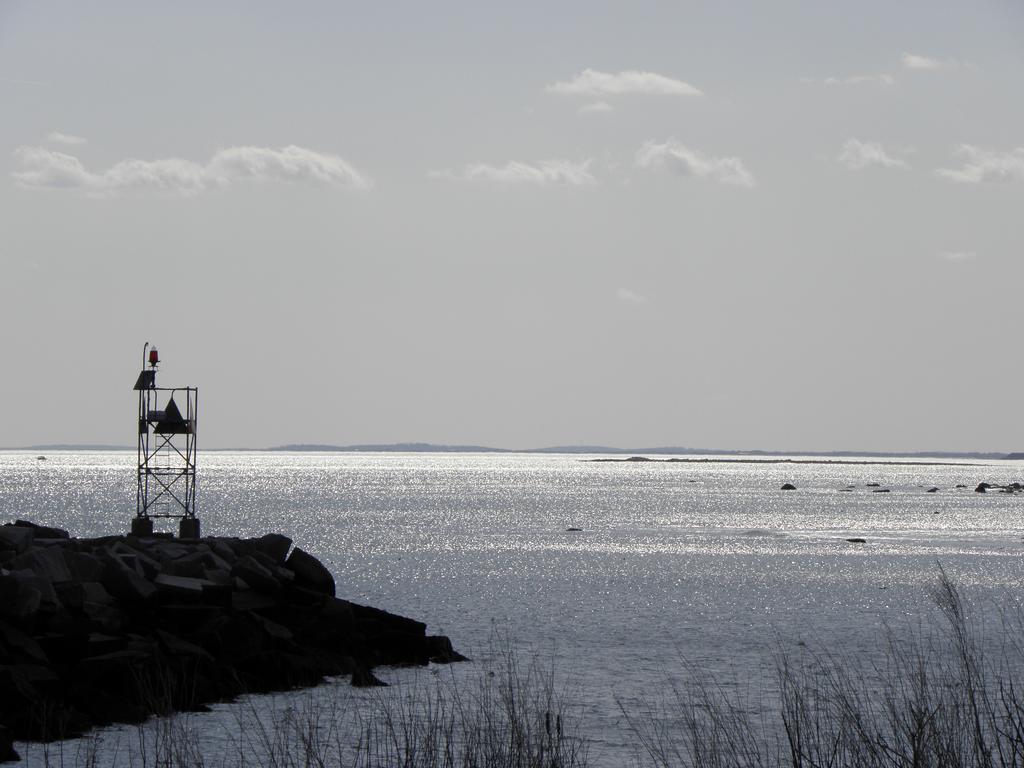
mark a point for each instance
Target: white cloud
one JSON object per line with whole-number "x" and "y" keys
{"x": 44, "y": 168}
{"x": 514, "y": 172}
{"x": 166, "y": 175}
{"x": 289, "y": 163}
{"x": 981, "y": 165}
{"x": 590, "y": 82}
{"x": 913, "y": 61}
{"x": 56, "y": 137}
{"x": 684, "y": 161}
{"x": 959, "y": 255}
{"x": 882, "y": 79}
{"x": 624, "y": 294}
{"x": 595, "y": 108}
{"x": 857, "y": 155}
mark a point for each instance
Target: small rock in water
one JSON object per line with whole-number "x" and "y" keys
{"x": 933, "y": 489}
{"x": 880, "y": 490}
{"x": 573, "y": 529}
{"x": 872, "y": 485}
{"x": 982, "y": 488}
{"x": 960, "y": 485}
{"x": 857, "y": 541}
{"x": 788, "y": 487}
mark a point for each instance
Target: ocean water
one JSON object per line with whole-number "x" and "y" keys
{"x": 705, "y": 564}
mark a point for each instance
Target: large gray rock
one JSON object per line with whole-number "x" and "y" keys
{"x": 87, "y": 567}
{"x": 123, "y": 582}
{"x": 222, "y": 549}
{"x": 29, "y": 585}
{"x": 16, "y": 537}
{"x": 95, "y": 592}
{"x": 273, "y": 545}
{"x": 256, "y": 575}
{"x": 144, "y": 565}
{"x": 20, "y": 600}
{"x": 265, "y": 560}
{"x": 43, "y": 531}
{"x": 71, "y": 594}
{"x": 310, "y": 572}
{"x": 48, "y": 564}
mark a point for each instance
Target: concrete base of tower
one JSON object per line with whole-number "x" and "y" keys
{"x": 188, "y": 528}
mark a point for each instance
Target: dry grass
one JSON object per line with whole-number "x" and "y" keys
{"x": 936, "y": 700}
{"x": 503, "y": 714}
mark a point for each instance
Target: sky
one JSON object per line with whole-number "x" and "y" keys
{"x": 745, "y": 225}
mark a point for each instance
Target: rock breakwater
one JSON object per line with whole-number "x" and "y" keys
{"x": 114, "y": 629}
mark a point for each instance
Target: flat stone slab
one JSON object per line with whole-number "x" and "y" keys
{"x": 181, "y": 584}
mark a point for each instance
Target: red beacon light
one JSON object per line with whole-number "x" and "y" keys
{"x": 154, "y": 358}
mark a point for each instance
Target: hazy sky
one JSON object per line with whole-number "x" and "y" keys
{"x": 785, "y": 225}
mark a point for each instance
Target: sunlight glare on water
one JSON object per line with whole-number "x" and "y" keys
{"x": 709, "y": 562}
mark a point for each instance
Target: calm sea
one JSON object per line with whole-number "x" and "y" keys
{"x": 708, "y": 564}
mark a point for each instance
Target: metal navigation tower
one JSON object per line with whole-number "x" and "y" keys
{"x": 167, "y": 452}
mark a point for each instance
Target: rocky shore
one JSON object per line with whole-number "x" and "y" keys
{"x": 115, "y": 629}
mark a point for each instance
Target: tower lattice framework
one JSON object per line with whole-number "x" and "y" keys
{"x": 167, "y": 421}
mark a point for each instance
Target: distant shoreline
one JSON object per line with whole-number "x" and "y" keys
{"x": 870, "y": 462}
{"x": 926, "y": 458}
